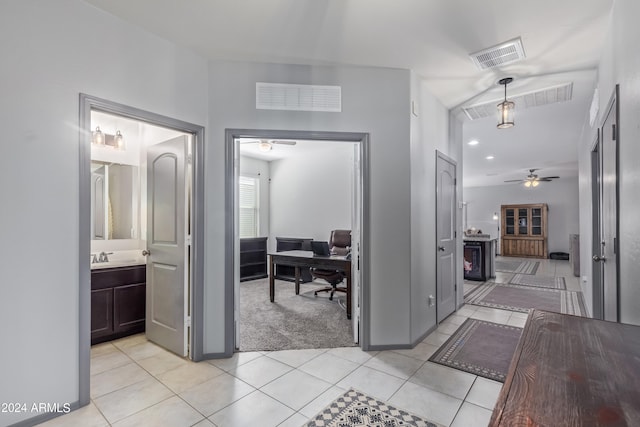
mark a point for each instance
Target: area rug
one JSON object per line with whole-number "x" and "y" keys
{"x": 523, "y": 298}
{"x": 539, "y": 281}
{"x": 515, "y": 266}
{"x": 357, "y": 409}
{"x": 292, "y": 321}
{"x": 481, "y": 348}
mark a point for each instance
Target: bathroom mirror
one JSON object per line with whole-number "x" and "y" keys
{"x": 114, "y": 201}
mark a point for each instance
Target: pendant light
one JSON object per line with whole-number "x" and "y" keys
{"x": 505, "y": 108}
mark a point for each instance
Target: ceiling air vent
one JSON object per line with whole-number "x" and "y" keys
{"x": 546, "y": 96}
{"x": 278, "y": 96}
{"x": 501, "y": 54}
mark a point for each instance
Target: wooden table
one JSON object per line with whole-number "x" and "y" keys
{"x": 299, "y": 259}
{"x": 572, "y": 371}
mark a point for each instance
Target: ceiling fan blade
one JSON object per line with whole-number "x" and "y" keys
{"x": 515, "y": 180}
{"x": 284, "y": 142}
{"x": 549, "y": 177}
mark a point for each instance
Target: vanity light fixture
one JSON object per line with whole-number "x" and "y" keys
{"x": 118, "y": 140}
{"x": 97, "y": 137}
{"x": 505, "y": 108}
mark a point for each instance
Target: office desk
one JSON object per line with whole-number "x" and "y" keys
{"x": 299, "y": 259}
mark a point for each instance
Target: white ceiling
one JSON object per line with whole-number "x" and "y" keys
{"x": 282, "y": 151}
{"x": 562, "y": 41}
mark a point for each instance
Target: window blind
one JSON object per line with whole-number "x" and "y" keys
{"x": 248, "y": 201}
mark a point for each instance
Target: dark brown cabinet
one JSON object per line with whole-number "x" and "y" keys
{"x": 253, "y": 258}
{"x": 524, "y": 230}
{"x": 117, "y": 302}
{"x": 288, "y": 272}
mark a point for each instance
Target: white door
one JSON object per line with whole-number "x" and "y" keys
{"x": 609, "y": 214}
{"x": 356, "y": 223}
{"x": 167, "y": 214}
{"x": 445, "y": 237}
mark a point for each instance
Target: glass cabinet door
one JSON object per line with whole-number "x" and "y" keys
{"x": 510, "y": 221}
{"x": 523, "y": 221}
{"x": 536, "y": 221}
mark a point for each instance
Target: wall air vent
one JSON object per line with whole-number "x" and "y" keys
{"x": 277, "y": 96}
{"x": 546, "y": 96}
{"x": 501, "y": 54}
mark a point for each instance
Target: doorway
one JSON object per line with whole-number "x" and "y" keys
{"x": 357, "y": 222}
{"x": 607, "y": 253}
{"x": 174, "y": 287}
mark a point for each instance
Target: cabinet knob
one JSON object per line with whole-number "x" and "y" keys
{"x": 146, "y": 252}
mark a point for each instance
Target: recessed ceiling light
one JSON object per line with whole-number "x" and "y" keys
{"x": 473, "y": 142}
{"x": 489, "y": 157}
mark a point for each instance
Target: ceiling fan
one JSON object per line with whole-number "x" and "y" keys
{"x": 267, "y": 144}
{"x": 533, "y": 180}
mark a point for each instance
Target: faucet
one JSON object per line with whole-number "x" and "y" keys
{"x": 94, "y": 258}
{"x": 103, "y": 257}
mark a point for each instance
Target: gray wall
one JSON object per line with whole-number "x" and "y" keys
{"x": 374, "y": 101}
{"x": 430, "y": 129}
{"x": 311, "y": 193}
{"x": 260, "y": 169}
{"x": 620, "y": 64}
{"x": 561, "y": 195}
{"x": 52, "y": 51}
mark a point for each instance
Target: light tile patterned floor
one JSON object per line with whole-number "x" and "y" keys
{"x": 136, "y": 383}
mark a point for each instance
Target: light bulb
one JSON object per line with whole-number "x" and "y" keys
{"x": 527, "y": 184}
{"x": 535, "y": 183}
{"x": 264, "y": 146}
{"x": 98, "y": 136}
{"x": 118, "y": 140}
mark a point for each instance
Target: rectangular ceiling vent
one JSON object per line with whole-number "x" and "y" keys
{"x": 278, "y": 96}
{"x": 501, "y": 54}
{"x": 550, "y": 95}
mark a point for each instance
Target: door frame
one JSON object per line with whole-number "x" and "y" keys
{"x": 442, "y": 156}
{"x": 231, "y": 135}
{"x": 597, "y": 279}
{"x": 86, "y": 105}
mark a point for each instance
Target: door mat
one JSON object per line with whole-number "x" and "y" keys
{"x": 539, "y": 281}
{"x": 357, "y": 409}
{"x": 514, "y": 266}
{"x": 481, "y": 348}
{"x": 523, "y": 298}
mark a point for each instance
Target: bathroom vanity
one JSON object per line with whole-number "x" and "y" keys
{"x": 118, "y": 297}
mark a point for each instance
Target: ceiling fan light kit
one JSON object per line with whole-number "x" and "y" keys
{"x": 506, "y": 108}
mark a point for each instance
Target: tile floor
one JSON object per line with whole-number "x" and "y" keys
{"x": 136, "y": 383}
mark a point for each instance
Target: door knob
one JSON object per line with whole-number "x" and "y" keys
{"x": 441, "y": 248}
{"x": 597, "y": 258}
{"x": 146, "y": 252}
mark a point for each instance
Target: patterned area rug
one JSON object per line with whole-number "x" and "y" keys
{"x": 514, "y": 266}
{"x": 481, "y": 348}
{"x": 539, "y": 281}
{"x": 357, "y": 409}
{"x": 523, "y": 298}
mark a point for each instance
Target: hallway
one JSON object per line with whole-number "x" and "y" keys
{"x": 136, "y": 383}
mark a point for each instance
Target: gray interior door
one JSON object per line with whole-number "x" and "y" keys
{"x": 445, "y": 236}
{"x": 609, "y": 216}
{"x": 166, "y": 312}
{"x": 597, "y": 271}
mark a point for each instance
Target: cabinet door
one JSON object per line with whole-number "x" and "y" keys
{"x": 101, "y": 313}
{"x": 129, "y": 308}
{"x": 510, "y": 222}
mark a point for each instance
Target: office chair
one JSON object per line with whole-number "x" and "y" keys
{"x": 339, "y": 244}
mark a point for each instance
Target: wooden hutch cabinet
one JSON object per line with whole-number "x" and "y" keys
{"x": 524, "y": 230}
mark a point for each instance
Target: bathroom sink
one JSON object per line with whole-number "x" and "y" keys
{"x": 121, "y": 259}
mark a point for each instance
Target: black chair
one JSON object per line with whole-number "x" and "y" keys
{"x": 339, "y": 244}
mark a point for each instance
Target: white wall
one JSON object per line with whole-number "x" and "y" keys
{"x": 374, "y": 100}
{"x": 620, "y": 64}
{"x": 429, "y": 132}
{"x": 57, "y": 50}
{"x": 259, "y": 169}
{"x": 561, "y": 195}
{"x": 311, "y": 193}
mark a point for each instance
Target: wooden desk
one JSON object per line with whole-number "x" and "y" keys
{"x": 307, "y": 259}
{"x": 572, "y": 371}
